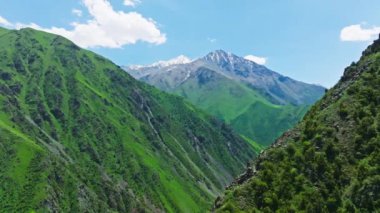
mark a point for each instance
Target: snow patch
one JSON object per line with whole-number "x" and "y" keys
{"x": 256, "y": 59}
{"x": 161, "y": 64}
{"x": 175, "y": 61}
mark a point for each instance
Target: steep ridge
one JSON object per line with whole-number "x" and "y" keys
{"x": 78, "y": 134}
{"x": 235, "y": 89}
{"x": 330, "y": 162}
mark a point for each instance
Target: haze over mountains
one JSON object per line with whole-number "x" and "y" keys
{"x": 258, "y": 103}
{"x": 78, "y": 134}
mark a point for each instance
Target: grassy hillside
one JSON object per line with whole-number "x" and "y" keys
{"x": 79, "y": 134}
{"x": 328, "y": 163}
{"x": 266, "y": 122}
{"x": 217, "y": 94}
{"x": 247, "y": 111}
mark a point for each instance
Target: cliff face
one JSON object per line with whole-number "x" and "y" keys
{"x": 330, "y": 162}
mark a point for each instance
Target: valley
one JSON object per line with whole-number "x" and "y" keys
{"x": 258, "y": 103}
{"x": 172, "y": 106}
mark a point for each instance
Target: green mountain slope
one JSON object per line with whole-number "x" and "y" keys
{"x": 328, "y": 163}
{"x": 266, "y": 122}
{"x": 218, "y": 94}
{"x": 246, "y": 110}
{"x": 78, "y": 134}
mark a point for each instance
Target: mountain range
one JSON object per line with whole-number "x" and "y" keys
{"x": 79, "y": 134}
{"x": 330, "y": 162}
{"x": 257, "y": 102}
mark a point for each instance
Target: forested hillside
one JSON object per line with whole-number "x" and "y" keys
{"x": 330, "y": 162}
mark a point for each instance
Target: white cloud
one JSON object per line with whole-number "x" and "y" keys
{"x": 77, "y": 12}
{"x": 212, "y": 40}
{"x": 131, "y": 3}
{"x": 4, "y": 22}
{"x": 107, "y": 27}
{"x": 358, "y": 33}
{"x": 256, "y": 59}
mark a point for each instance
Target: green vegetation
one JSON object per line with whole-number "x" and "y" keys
{"x": 246, "y": 110}
{"x": 330, "y": 162}
{"x": 79, "y": 134}
{"x": 266, "y": 122}
{"x": 256, "y": 146}
{"x": 218, "y": 95}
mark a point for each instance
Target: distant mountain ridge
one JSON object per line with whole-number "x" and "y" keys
{"x": 143, "y": 70}
{"x": 229, "y": 87}
{"x": 278, "y": 88}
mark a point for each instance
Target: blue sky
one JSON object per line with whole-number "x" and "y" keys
{"x": 299, "y": 38}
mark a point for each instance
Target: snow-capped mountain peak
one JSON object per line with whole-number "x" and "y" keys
{"x": 223, "y": 57}
{"x": 218, "y": 55}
